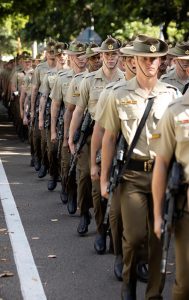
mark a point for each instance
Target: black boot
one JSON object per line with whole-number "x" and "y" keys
{"x": 32, "y": 162}
{"x": 85, "y": 220}
{"x": 42, "y": 172}
{"x": 118, "y": 267}
{"x": 52, "y": 183}
{"x": 128, "y": 291}
{"x": 142, "y": 271}
{"x": 37, "y": 165}
{"x": 100, "y": 243}
{"x": 72, "y": 203}
{"x": 63, "y": 195}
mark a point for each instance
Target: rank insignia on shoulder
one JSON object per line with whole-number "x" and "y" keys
{"x": 155, "y": 136}
{"x": 128, "y": 101}
{"x": 183, "y": 121}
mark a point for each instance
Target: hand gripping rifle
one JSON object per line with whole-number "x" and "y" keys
{"x": 117, "y": 165}
{"x": 175, "y": 187}
{"x": 47, "y": 116}
{"x": 86, "y": 130}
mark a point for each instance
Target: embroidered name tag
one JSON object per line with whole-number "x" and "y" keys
{"x": 128, "y": 101}
{"x": 76, "y": 95}
{"x": 155, "y": 136}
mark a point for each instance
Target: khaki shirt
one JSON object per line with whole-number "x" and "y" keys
{"x": 91, "y": 87}
{"x": 172, "y": 133}
{"x": 173, "y": 79}
{"x": 28, "y": 83}
{"x": 61, "y": 85}
{"x": 48, "y": 82}
{"x": 73, "y": 92}
{"x": 124, "y": 110}
{"x": 102, "y": 102}
{"x": 40, "y": 71}
{"x": 18, "y": 79}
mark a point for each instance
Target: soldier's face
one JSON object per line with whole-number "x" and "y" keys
{"x": 182, "y": 63}
{"x": 79, "y": 62}
{"x": 95, "y": 62}
{"x": 50, "y": 55}
{"x": 27, "y": 64}
{"x": 61, "y": 58}
{"x": 147, "y": 66}
{"x": 129, "y": 64}
{"x": 110, "y": 59}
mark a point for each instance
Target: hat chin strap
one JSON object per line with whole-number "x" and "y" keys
{"x": 134, "y": 73}
{"x": 106, "y": 64}
{"x": 181, "y": 66}
{"x": 143, "y": 71}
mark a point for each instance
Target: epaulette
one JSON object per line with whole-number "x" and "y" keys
{"x": 121, "y": 83}
{"x": 164, "y": 76}
{"x": 79, "y": 74}
{"x": 91, "y": 74}
{"x": 110, "y": 85}
{"x": 170, "y": 86}
{"x": 175, "y": 101}
{"x": 64, "y": 73}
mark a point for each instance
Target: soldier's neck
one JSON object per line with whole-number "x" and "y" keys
{"x": 109, "y": 73}
{"x": 78, "y": 70}
{"x": 147, "y": 83}
{"x": 51, "y": 63}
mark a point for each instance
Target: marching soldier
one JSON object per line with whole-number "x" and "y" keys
{"x": 178, "y": 76}
{"x": 90, "y": 89}
{"x": 84, "y": 188}
{"x": 58, "y": 96}
{"x": 41, "y": 162}
{"x": 124, "y": 110}
{"x": 44, "y": 112}
{"x": 172, "y": 140}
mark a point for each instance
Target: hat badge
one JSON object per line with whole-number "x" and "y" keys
{"x": 110, "y": 47}
{"x": 52, "y": 47}
{"x": 80, "y": 49}
{"x": 59, "y": 50}
{"x": 153, "y": 48}
{"x": 187, "y": 52}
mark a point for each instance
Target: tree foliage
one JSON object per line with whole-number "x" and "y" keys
{"x": 64, "y": 19}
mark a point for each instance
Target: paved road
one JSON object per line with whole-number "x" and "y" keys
{"x": 76, "y": 272}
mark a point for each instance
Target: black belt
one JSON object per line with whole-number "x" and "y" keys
{"x": 141, "y": 165}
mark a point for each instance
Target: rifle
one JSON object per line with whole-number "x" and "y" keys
{"x": 47, "y": 116}
{"x": 60, "y": 129}
{"x": 171, "y": 212}
{"x": 36, "y": 114}
{"x": 86, "y": 130}
{"x": 117, "y": 165}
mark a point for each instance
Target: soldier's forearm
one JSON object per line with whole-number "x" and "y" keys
{"x": 75, "y": 122}
{"x": 159, "y": 181}
{"x": 33, "y": 98}
{"x": 108, "y": 149}
{"x": 42, "y": 104}
{"x": 96, "y": 142}
{"x": 67, "y": 120}
{"x": 55, "y": 107}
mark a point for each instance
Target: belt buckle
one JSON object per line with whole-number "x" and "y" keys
{"x": 148, "y": 165}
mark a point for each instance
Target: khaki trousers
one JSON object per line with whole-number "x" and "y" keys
{"x": 52, "y": 156}
{"x": 137, "y": 216}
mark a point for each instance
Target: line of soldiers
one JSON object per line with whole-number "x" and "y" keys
{"x": 92, "y": 113}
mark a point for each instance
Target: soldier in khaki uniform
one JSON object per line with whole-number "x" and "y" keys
{"x": 178, "y": 76}
{"x": 172, "y": 139}
{"x": 39, "y": 137}
{"x": 125, "y": 107}
{"x": 84, "y": 187}
{"x": 47, "y": 86}
{"x": 90, "y": 89}
{"x": 96, "y": 144}
{"x": 58, "y": 96}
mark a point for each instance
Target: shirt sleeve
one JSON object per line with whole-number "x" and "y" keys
{"x": 110, "y": 118}
{"x": 163, "y": 139}
{"x": 45, "y": 89}
{"x": 56, "y": 93}
{"x": 36, "y": 78}
{"x": 84, "y": 93}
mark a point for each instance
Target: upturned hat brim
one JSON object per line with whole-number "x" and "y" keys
{"x": 131, "y": 52}
{"x": 73, "y": 52}
{"x": 89, "y": 55}
{"x": 183, "y": 57}
{"x": 99, "y": 50}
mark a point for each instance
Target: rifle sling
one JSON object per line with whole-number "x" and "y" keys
{"x": 137, "y": 135}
